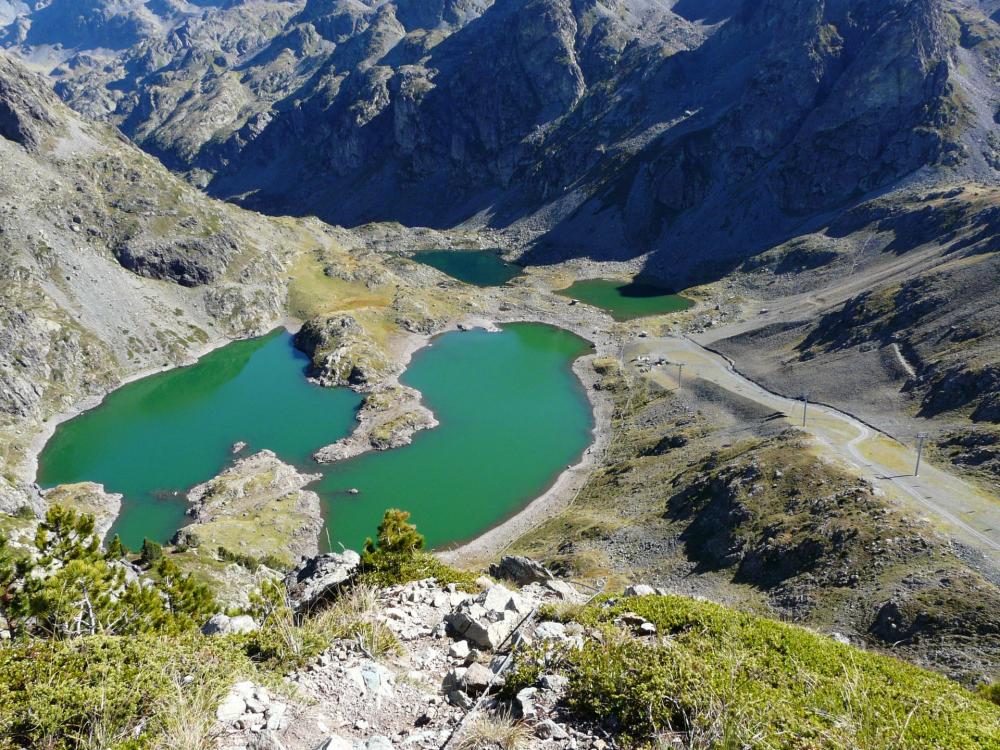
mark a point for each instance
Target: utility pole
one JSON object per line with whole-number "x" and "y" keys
{"x": 680, "y": 374}
{"x": 920, "y": 451}
{"x": 805, "y": 406}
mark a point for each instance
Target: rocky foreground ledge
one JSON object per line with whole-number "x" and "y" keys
{"x": 455, "y": 652}
{"x": 537, "y": 662}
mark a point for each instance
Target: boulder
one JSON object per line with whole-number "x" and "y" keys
{"x": 335, "y": 742}
{"x": 551, "y": 631}
{"x": 563, "y": 589}
{"x": 320, "y": 578}
{"x": 524, "y": 703}
{"x": 222, "y": 624}
{"x": 231, "y": 708}
{"x": 548, "y": 729}
{"x": 640, "y": 589}
{"x": 554, "y": 682}
{"x": 372, "y": 679}
{"x": 477, "y": 679}
{"x": 521, "y": 570}
{"x": 490, "y": 618}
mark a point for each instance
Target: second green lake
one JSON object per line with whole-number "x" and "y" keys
{"x": 476, "y": 267}
{"x": 626, "y": 300}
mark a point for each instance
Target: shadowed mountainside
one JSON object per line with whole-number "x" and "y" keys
{"x": 604, "y": 128}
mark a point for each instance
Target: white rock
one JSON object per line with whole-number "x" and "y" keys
{"x": 459, "y": 650}
{"x": 245, "y": 689}
{"x": 221, "y": 624}
{"x": 563, "y": 589}
{"x": 640, "y": 589}
{"x": 550, "y": 631}
{"x": 231, "y": 709}
{"x": 490, "y": 618}
{"x": 276, "y": 716}
{"x": 335, "y": 742}
{"x": 554, "y": 682}
{"x": 372, "y": 679}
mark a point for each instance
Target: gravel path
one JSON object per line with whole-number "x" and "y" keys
{"x": 960, "y": 509}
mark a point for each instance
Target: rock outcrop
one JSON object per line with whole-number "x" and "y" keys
{"x": 342, "y": 353}
{"x": 25, "y": 107}
{"x": 89, "y": 498}
{"x": 388, "y": 418}
{"x": 521, "y": 570}
{"x": 320, "y": 578}
{"x": 489, "y": 619}
{"x": 257, "y": 508}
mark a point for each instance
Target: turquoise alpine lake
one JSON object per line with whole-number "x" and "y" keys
{"x": 626, "y": 300}
{"x": 512, "y": 415}
{"x": 477, "y": 267}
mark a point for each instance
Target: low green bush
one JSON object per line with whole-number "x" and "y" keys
{"x": 395, "y": 568}
{"x": 396, "y": 556}
{"x": 108, "y": 692}
{"x": 69, "y": 588}
{"x": 250, "y": 562}
{"x": 726, "y": 679}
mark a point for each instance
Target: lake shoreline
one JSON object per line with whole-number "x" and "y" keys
{"x": 559, "y": 495}
{"x": 565, "y": 485}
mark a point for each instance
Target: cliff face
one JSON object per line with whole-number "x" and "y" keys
{"x": 110, "y": 266}
{"x": 590, "y": 125}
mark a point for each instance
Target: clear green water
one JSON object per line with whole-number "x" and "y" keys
{"x": 478, "y": 267}
{"x": 157, "y": 437}
{"x": 512, "y": 416}
{"x": 627, "y": 300}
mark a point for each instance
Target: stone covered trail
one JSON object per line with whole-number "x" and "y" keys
{"x": 432, "y": 693}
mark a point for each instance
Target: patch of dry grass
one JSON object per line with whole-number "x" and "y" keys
{"x": 497, "y": 730}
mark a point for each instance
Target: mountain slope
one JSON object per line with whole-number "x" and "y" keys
{"x": 111, "y": 266}
{"x": 702, "y": 132}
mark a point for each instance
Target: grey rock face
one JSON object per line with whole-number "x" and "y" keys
{"x": 189, "y": 262}
{"x": 634, "y": 123}
{"x": 490, "y": 618}
{"x": 24, "y": 106}
{"x": 521, "y": 570}
{"x": 319, "y": 577}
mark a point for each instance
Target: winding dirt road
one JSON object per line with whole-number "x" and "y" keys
{"x": 952, "y": 505}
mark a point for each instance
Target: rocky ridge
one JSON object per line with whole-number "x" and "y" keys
{"x": 593, "y": 126}
{"x": 453, "y": 646}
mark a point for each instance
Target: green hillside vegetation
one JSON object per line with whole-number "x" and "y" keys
{"x": 92, "y": 664}
{"x": 730, "y": 680}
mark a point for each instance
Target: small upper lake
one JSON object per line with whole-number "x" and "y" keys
{"x": 512, "y": 416}
{"x": 626, "y": 300}
{"x": 478, "y": 267}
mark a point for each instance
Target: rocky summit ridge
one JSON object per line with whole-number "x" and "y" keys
{"x": 613, "y": 127}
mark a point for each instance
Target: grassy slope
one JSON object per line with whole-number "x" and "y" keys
{"x": 762, "y": 522}
{"x": 735, "y": 680}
